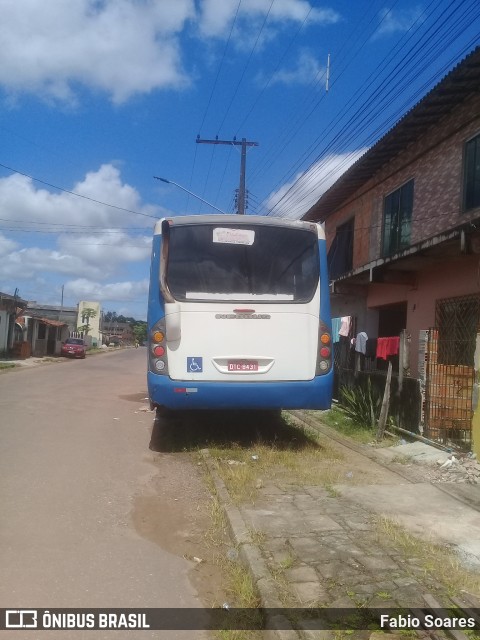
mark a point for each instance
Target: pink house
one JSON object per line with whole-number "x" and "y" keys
{"x": 403, "y": 233}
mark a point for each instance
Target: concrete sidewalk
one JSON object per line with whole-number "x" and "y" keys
{"x": 320, "y": 548}
{"x": 28, "y": 363}
{"x": 35, "y": 361}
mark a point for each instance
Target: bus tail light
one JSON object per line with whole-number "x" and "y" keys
{"x": 157, "y": 350}
{"x": 324, "y": 352}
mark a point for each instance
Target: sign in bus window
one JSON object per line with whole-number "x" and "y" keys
{"x": 233, "y": 236}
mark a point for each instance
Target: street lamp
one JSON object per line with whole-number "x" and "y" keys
{"x": 190, "y": 192}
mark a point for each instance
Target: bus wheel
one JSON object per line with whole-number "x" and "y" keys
{"x": 159, "y": 436}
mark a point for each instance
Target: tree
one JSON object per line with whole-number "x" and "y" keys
{"x": 87, "y": 313}
{"x": 110, "y": 316}
{"x": 140, "y": 332}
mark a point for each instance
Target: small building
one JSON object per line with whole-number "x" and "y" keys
{"x": 47, "y": 326}
{"x": 11, "y": 330}
{"x": 118, "y": 333}
{"x": 88, "y": 322}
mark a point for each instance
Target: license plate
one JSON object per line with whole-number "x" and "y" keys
{"x": 242, "y": 365}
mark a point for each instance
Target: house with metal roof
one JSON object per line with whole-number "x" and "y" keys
{"x": 11, "y": 332}
{"x": 403, "y": 234}
{"x": 47, "y": 326}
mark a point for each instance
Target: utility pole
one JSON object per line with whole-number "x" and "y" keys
{"x": 244, "y": 143}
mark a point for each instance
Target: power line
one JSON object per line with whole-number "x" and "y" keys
{"x": 267, "y": 84}
{"x": 62, "y": 224}
{"x": 300, "y": 117}
{"x": 293, "y": 193}
{"x": 245, "y": 67}
{"x": 353, "y": 100}
{"x": 352, "y": 121}
{"x": 78, "y": 195}
{"x": 220, "y": 66}
{"x": 399, "y": 84}
{"x": 57, "y": 231}
{"x": 208, "y": 106}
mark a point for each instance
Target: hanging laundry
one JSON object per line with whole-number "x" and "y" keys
{"x": 345, "y": 326}
{"x": 361, "y": 342}
{"x": 388, "y": 347}
{"x": 336, "y": 325}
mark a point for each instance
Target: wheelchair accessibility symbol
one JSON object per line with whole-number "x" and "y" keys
{"x": 194, "y": 365}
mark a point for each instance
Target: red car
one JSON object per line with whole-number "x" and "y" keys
{"x": 74, "y": 347}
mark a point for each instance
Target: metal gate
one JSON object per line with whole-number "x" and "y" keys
{"x": 450, "y": 374}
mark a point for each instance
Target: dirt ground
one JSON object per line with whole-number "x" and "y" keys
{"x": 175, "y": 514}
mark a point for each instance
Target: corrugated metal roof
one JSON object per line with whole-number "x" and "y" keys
{"x": 19, "y": 301}
{"x": 52, "y": 323}
{"x": 461, "y": 82}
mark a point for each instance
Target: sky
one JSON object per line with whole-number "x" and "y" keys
{"x": 99, "y": 97}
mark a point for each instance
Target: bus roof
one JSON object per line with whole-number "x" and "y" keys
{"x": 239, "y": 220}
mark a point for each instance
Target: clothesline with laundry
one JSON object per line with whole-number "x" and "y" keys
{"x": 382, "y": 348}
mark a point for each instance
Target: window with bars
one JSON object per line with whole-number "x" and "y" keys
{"x": 458, "y": 321}
{"x": 471, "y": 187}
{"x": 397, "y": 219}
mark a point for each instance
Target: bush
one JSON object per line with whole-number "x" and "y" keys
{"x": 361, "y": 404}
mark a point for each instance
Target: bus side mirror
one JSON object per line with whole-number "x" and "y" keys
{"x": 172, "y": 321}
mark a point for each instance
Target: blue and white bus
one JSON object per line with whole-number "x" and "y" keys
{"x": 239, "y": 314}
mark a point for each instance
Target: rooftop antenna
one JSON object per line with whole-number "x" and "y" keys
{"x": 328, "y": 73}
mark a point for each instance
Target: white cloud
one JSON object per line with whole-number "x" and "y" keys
{"x": 28, "y": 262}
{"x": 217, "y": 15}
{"x": 397, "y": 21}
{"x": 6, "y": 245}
{"x": 125, "y": 47}
{"x": 84, "y": 289}
{"x": 122, "y": 47}
{"x": 21, "y": 200}
{"x": 294, "y": 198}
{"x": 107, "y": 249}
{"x": 306, "y": 71}
{"x": 100, "y": 252}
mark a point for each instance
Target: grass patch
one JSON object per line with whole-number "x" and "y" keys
{"x": 435, "y": 560}
{"x": 238, "y": 584}
{"x": 282, "y": 587}
{"x": 337, "y": 419}
{"x": 244, "y": 472}
{"x": 257, "y": 537}
{"x": 252, "y": 448}
{"x": 7, "y": 365}
{"x": 287, "y": 562}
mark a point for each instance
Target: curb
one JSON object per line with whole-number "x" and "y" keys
{"x": 279, "y": 628}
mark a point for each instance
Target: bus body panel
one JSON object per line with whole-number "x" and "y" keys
{"x": 280, "y": 344}
{"x": 309, "y": 394}
{"x": 284, "y": 347}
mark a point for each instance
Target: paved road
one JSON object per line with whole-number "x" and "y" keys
{"x": 75, "y": 460}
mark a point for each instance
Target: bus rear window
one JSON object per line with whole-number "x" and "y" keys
{"x": 254, "y": 263}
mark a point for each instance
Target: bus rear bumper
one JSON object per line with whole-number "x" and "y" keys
{"x": 174, "y": 394}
